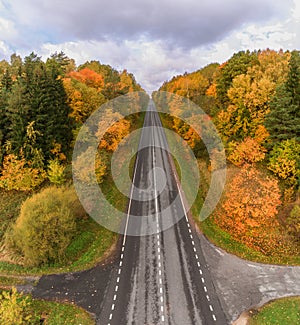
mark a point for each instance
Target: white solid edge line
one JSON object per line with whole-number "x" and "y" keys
{"x": 129, "y": 205}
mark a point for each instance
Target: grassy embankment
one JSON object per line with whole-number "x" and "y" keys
{"x": 278, "y": 312}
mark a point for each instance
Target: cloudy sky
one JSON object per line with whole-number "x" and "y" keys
{"x": 154, "y": 39}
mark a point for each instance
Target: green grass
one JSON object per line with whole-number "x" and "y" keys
{"x": 62, "y": 314}
{"x": 46, "y": 312}
{"x": 284, "y": 311}
{"x": 6, "y": 281}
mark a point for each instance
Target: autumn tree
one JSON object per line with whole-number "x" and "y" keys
{"x": 82, "y": 99}
{"x": 284, "y": 161}
{"x": 238, "y": 64}
{"x": 249, "y": 95}
{"x": 116, "y": 128}
{"x": 250, "y": 207}
{"x": 248, "y": 151}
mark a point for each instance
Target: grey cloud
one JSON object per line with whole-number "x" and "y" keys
{"x": 187, "y": 24}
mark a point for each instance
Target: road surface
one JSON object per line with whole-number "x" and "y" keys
{"x": 162, "y": 277}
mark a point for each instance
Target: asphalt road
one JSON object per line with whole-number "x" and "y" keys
{"x": 161, "y": 277}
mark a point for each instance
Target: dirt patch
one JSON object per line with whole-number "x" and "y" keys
{"x": 242, "y": 320}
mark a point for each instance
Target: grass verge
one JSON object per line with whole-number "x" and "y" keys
{"x": 54, "y": 313}
{"x": 27, "y": 310}
{"x": 278, "y": 312}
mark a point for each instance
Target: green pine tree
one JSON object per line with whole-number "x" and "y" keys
{"x": 283, "y": 121}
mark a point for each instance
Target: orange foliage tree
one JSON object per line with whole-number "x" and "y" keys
{"x": 116, "y": 128}
{"x": 249, "y": 209}
{"x": 88, "y": 77}
{"x": 247, "y": 151}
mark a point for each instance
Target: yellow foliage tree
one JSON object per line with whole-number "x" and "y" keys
{"x": 17, "y": 174}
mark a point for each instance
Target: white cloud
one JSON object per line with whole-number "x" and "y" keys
{"x": 188, "y": 24}
{"x": 153, "y": 40}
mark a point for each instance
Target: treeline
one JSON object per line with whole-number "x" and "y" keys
{"x": 42, "y": 104}
{"x": 254, "y": 101}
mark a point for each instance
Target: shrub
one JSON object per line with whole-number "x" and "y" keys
{"x": 15, "y": 309}
{"x": 46, "y": 226}
{"x": 18, "y": 175}
{"x": 284, "y": 161}
{"x": 56, "y": 172}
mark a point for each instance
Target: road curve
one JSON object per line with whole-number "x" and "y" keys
{"x": 162, "y": 277}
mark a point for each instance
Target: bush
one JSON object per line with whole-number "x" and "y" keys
{"x": 15, "y": 309}
{"x": 46, "y": 226}
{"x": 18, "y": 175}
{"x": 284, "y": 161}
{"x": 56, "y": 172}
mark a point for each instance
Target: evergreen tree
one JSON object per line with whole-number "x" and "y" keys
{"x": 38, "y": 96}
{"x": 5, "y": 88}
{"x": 283, "y": 121}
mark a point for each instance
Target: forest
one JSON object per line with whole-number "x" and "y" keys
{"x": 254, "y": 101}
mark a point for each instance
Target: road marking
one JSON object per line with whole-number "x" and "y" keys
{"x": 211, "y": 308}
{"x": 115, "y": 297}
{"x": 207, "y": 297}
{"x": 158, "y": 237}
{"x": 214, "y": 317}
{"x": 130, "y": 199}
